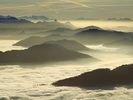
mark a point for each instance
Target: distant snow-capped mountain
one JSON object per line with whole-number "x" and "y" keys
{"x": 12, "y": 19}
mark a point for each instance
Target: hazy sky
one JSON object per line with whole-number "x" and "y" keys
{"x": 68, "y": 8}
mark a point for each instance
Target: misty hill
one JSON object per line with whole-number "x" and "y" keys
{"x": 52, "y": 39}
{"x": 70, "y": 44}
{"x": 62, "y": 29}
{"x": 11, "y": 19}
{"x": 96, "y": 35}
{"x": 40, "y": 54}
{"x": 35, "y": 40}
{"x": 70, "y": 24}
{"x": 125, "y": 42}
{"x": 28, "y": 42}
{"x": 34, "y": 17}
{"x": 101, "y": 78}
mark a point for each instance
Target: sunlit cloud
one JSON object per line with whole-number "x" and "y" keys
{"x": 76, "y": 3}
{"x": 116, "y": 5}
{"x": 44, "y": 4}
{"x": 17, "y": 7}
{"x": 68, "y": 8}
{"x": 49, "y": 4}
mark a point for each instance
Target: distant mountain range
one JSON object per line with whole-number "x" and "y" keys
{"x": 16, "y": 28}
{"x": 87, "y": 35}
{"x": 11, "y": 19}
{"x": 120, "y": 19}
{"x": 53, "y": 24}
{"x": 35, "y": 17}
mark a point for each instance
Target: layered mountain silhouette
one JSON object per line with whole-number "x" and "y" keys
{"x": 41, "y": 54}
{"x": 88, "y": 35}
{"x": 11, "y": 19}
{"x": 15, "y": 28}
{"x": 96, "y": 35}
{"x": 35, "y": 40}
{"x": 69, "y": 44}
{"x": 101, "y": 78}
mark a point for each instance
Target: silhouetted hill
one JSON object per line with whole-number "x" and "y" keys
{"x": 95, "y": 35}
{"x": 101, "y": 77}
{"x": 70, "y": 44}
{"x": 40, "y": 54}
{"x": 90, "y": 28}
{"x": 11, "y": 19}
{"x": 125, "y": 42}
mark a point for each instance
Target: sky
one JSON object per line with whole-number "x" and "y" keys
{"x": 68, "y": 9}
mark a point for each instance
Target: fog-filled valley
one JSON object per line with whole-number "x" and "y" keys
{"x": 39, "y": 61}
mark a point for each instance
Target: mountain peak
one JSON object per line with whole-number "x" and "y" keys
{"x": 91, "y": 28}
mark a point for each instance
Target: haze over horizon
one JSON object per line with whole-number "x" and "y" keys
{"x": 68, "y": 9}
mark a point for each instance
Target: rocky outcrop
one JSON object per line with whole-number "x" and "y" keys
{"x": 101, "y": 78}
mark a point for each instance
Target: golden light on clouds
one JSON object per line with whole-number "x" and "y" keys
{"x": 68, "y": 8}
{"x": 79, "y": 3}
